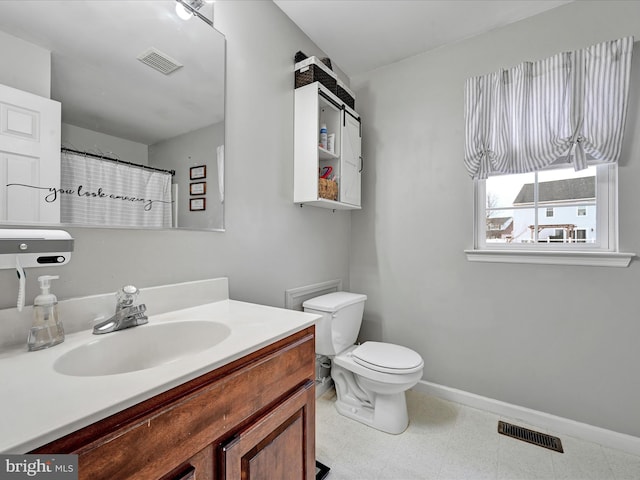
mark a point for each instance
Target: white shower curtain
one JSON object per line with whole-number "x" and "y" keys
{"x": 220, "y": 158}
{"x": 102, "y": 192}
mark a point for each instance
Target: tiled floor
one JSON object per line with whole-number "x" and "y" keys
{"x": 448, "y": 441}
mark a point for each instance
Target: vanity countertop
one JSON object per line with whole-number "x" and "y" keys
{"x": 39, "y": 405}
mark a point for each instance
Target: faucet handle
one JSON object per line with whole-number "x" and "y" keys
{"x": 130, "y": 289}
{"x": 127, "y": 295}
{"x": 138, "y": 314}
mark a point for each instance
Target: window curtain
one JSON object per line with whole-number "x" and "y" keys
{"x": 572, "y": 105}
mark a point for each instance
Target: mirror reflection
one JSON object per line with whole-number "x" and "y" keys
{"x": 140, "y": 94}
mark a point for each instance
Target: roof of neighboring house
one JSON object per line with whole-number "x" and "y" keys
{"x": 498, "y": 221}
{"x": 557, "y": 190}
{"x": 499, "y": 227}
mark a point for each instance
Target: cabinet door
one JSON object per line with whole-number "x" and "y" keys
{"x": 351, "y": 160}
{"x": 279, "y": 445}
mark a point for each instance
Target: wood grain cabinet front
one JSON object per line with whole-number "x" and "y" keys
{"x": 253, "y": 416}
{"x": 275, "y": 446}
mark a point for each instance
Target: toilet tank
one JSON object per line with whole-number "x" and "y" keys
{"x": 340, "y": 323}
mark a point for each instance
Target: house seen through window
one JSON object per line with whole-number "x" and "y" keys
{"x": 559, "y": 207}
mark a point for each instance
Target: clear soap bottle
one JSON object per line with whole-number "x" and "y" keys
{"x": 47, "y": 328}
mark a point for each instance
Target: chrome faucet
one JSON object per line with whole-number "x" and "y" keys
{"x": 127, "y": 314}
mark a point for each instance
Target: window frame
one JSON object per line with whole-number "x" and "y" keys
{"x": 603, "y": 252}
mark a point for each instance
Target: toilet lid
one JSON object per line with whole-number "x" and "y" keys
{"x": 332, "y": 302}
{"x": 387, "y": 357}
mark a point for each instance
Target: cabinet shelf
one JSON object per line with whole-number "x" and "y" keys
{"x": 324, "y": 154}
{"x": 330, "y": 204}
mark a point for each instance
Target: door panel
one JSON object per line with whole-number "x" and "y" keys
{"x": 29, "y": 157}
{"x": 350, "y": 187}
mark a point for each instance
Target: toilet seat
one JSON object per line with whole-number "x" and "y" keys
{"x": 387, "y": 358}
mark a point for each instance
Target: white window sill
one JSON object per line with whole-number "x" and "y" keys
{"x": 594, "y": 259}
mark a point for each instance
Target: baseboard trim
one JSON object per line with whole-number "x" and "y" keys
{"x": 602, "y": 436}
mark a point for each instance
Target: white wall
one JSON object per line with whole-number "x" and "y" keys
{"x": 270, "y": 243}
{"x": 78, "y": 138}
{"x": 180, "y": 154}
{"x": 558, "y": 339}
{"x": 32, "y": 75}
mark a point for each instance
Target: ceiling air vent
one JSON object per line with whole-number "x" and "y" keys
{"x": 159, "y": 61}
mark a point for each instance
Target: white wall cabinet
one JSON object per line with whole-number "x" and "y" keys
{"x": 315, "y": 105}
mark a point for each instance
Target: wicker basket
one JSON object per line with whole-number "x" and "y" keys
{"x": 313, "y": 70}
{"x": 345, "y": 94}
{"x": 327, "y": 189}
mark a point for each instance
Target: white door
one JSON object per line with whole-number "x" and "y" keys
{"x": 351, "y": 160}
{"x": 29, "y": 157}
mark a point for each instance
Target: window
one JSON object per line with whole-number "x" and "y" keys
{"x": 543, "y": 117}
{"x": 543, "y": 207}
{"x": 554, "y": 210}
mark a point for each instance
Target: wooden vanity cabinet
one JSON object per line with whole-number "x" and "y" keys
{"x": 253, "y": 418}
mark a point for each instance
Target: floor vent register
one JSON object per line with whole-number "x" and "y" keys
{"x": 530, "y": 436}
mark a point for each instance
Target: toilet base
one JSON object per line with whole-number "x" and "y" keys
{"x": 386, "y": 412}
{"x": 389, "y": 414}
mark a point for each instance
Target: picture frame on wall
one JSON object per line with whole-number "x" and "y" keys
{"x": 198, "y": 188}
{"x": 197, "y": 204}
{"x": 198, "y": 172}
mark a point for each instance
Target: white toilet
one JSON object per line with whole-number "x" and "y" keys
{"x": 371, "y": 379}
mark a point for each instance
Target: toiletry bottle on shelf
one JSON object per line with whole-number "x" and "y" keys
{"x": 323, "y": 136}
{"x": 331, "y": 142}
{"x": 47, "y": 328}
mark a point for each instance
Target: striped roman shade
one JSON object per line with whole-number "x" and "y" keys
{"x": 571, "y": 105}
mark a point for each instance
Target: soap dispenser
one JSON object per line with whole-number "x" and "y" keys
{"x": 47, "y": 328}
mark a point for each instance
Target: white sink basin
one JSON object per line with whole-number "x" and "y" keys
{"x": 139, "y": 348}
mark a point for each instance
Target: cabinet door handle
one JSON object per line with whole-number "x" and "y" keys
{"x": 361, "y": 164}
{"x": 188, "y": 474}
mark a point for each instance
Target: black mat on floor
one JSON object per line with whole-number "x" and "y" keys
{"x": 321, "y": 470}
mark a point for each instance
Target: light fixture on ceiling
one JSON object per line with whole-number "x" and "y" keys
{"x": 185, "y": 9}
{"x": 182, "y": 12}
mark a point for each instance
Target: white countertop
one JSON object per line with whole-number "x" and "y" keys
{"x": 39, "y": 405}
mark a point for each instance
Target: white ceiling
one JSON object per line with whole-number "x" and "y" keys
{"x": 362, "y": 35}
{"x": 358, "y": 35}
{"x": 95, "y": 73}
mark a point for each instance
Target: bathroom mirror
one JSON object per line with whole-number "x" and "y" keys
{"x": 110, "y": 69}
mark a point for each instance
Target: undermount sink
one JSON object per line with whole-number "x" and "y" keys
{"x": 139, "y": 348}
